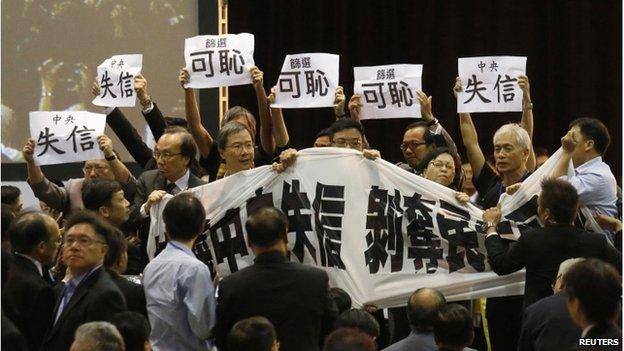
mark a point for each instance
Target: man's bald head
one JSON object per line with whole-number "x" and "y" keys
{"x": 266, "y": 227}
{"x": 423, "y": 307}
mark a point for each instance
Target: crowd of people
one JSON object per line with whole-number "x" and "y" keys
{"x": 67, "y": 269}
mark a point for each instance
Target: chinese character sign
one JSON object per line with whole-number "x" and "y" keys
{"x": 219, "y": 60}
{"x": 307, "y": 80}
{"x": 490, "y": 83}
{"x": 115, "y": 77}
{"x": 388, "y": 91}
{"x": 66, "y": 136}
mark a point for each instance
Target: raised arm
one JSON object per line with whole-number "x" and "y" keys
{"x": 121, "y": 172}
{"x": 527, "y": 118}
{"x": 54, "y": 196}
{"x": 154, "y": 118}
{"x": 277, "y": 123}
{"x": 266, "y": 130}
{"x": 203, "y": 139}
{"x": 470, "y": 137}
{"x": 355, "y": 108}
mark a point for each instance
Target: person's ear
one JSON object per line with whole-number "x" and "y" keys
{"x": 104, "y": 212}
{"x": 589, "y": 144}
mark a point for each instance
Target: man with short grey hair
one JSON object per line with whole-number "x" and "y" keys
{"x": 97, "y": 336}
{"x": 546, "y": 324}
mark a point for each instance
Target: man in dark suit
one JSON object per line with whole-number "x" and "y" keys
{"x": 547, "y": 325}
{"x": 88, "y": 294}
{"x": 594, "y": 300}
{"x": 175, "y": 151}
{"x": 294, "y": 297}
{"x": 28, "y": 298}
{"x": 541, "y": 250}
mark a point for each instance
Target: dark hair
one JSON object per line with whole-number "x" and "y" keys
{"x": 228, "y": 129}
{"x": 134, "y": 329}
{"x": 593, "y": 129}
{"x": 428, "y": 136}
{"x": 560, "y": 198}
{"x": 117, "y": 245}
{"x": 453, "y": 327}
{"x": 349, "y": 339}
{"x": 28, "y": 230}
{"x": 252, "y": 334}
{"x": 358, "y": 319}
{"x": 266, "y": 226}
{"x": 431, "y": 155}
{"x": 9, "y": 194}
{"x": 597, "y": 286}
{"x": 322, "y": 133}
{"x": 176, "y": 121}
{"x": 98, "y": 192}
{"x": 236, "y": 111}
{"x": 7, "y": 218}
{"x": 188, "y": 147}
{"x": 541, "y": 151}
{"x": 344, "y": 124}
{"x": 100, "y": 226}
{"x": 422, "y": 308}
{"x": 341, "y": 298}
{"x": 184, "y": 217}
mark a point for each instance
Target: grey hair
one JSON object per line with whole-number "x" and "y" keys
{"x": 522, "y": 137}
{"x": 227, "y": 130}
{"x": 100, "y": 336}
{"x": 565, "y": 266}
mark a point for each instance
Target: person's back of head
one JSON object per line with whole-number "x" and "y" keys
{"x": 266, "y": 227}
{"x": 453, "y": 330}
{"x": 116, "y": 258}
{"x": 253, "y": 334}
{"x": 341, "y": 298}
{"x": 558, "y": 202}
{"x": 564, "y": 267}
{"x": 11, "y": 195}
{"x": 594, "y": 292}
{"x": 30, "y": 230}
{"x": 134, "y": 329}
{"x": 184, "y": 217}
{"x": 422, "y": 309}
{"x": 348, "y": 339}
{"x": 97, "y": 336}
{"x": 7, "y": 218}
{"x": 98, "y": 192}
{"x": 593, "y": 129}
{"x": 358, "y": 319}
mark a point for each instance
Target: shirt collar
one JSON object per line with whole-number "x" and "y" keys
{"x": 182, "y": 182}
{"x": 77, "y": 280}
{"x": 586, "y": 330}
{"x": 180, "y": 246}
{"x": 589, "y": 164}
{"x": 270, "y": 257}
{"x": 37, "y": 263}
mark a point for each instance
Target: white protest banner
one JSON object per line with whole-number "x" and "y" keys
{"x": 219, "y": 60}
{"x": 307, "y": 80}
{"x": 66, "y": 136}
{"x": 115, "y": 77}
{"x": 388, "y": 91}
{"x": 490, "y": 83}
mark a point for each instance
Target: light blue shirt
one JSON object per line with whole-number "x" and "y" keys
{"x": 595, "y": 185}
{"x": 180, "y": 300}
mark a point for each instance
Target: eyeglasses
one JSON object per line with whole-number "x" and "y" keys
{"x": 165, "y": 156}
{"x": 411, "y": 144}
{"x": 440, "y": 164}
{"x": 238, "y": 147}
{"x": 81, "y": 241}
{"x": 355, "y": 143}
{"x": 97, "y": 169}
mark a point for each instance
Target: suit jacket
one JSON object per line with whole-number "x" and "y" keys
{"x": 28, "y": 300}
{"x": 11, "y": 339}
{"x": 294, "y": 297}
{"x": 97, "y": 298}
{"x": 133, "y": 294}
{"x": 547, "y": 326}
{"x": 542, "y": 250}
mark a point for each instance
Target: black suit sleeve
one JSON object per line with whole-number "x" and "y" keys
{"x": 612, "y": 255}
{"x": 156, "y": 122}
{"x": 223, "y": 323}
{"x": 129, "y": 137}
{"x": 505, "y": 261}
{"x": 330, "y": 312}
{"x": 526, "y": 340}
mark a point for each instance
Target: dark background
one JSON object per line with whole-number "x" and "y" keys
{"x": 573, "y": 49}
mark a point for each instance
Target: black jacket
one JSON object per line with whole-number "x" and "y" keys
{"x": 133, "y": 294}
{"x": 97, "y": 298}
{"x": 28, "y": 300}
{"x": 542, "y": 250}
{"x": 294, "y": 297}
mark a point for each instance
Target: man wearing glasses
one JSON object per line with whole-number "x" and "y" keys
{"x": 89, "y": 294}
{"x": 69, "y": 198}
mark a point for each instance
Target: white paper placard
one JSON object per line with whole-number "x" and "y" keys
{"x": 115, "y": 77}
